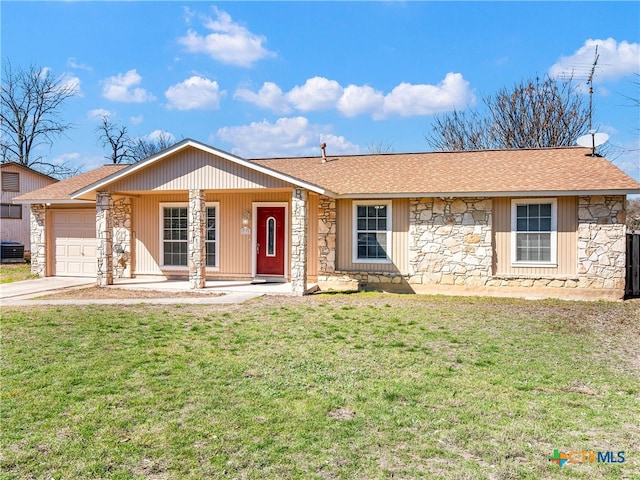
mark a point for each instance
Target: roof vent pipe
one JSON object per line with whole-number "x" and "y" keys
{"x": 323, "y": 146}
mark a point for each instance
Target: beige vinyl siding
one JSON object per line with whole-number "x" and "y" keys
{"x": 312, "y": 236}
{"x": 567, "y": 247}
{"x": 399, "y": 239}
{"x": 234, "y": 249}
{"x": 14, "y": 229}
{"x": 194, "y": 169}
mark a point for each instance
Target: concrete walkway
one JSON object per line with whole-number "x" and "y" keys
{"x": 222, "y": 292}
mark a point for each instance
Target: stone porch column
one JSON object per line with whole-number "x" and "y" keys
{"x": 299, "y": 232}
{"x": 38, "y": 217}
{"x": 122, "y": 266}
{"x": 197, "y": 231}
{"x": 104, "y": 232}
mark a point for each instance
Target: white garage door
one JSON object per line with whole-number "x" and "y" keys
{"x": 74, "y": 243}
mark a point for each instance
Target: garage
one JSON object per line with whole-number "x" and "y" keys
{"x": 74, "y": 243}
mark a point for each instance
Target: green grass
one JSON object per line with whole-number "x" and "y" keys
{"x": 15, "y": 272}
{"x": 334, "y": 386}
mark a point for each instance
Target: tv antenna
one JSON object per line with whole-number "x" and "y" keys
{"x": 590, "y": 83}
{"x": 593, "y": 139}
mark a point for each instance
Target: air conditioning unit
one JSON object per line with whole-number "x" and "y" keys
{"x": 11, "y": 252}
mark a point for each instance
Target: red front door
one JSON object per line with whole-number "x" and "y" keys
{"x": 270, "y": 241}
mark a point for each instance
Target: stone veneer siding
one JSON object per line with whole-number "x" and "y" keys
{"x": 196, "y": 235}
{"x": 326, "y": 236}
{"x": 299, "y": 233}
{"x": 104, "y": 232}
{"x": 122, "y": 237}
{"x": 38, "y": 217}
{"x": 450, "y": 243}
{"x": 601, "y": 241}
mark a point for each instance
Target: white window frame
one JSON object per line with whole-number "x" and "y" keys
{"x": 388, "y": 232}
{"x": 553, "y": 262}
{"x": 162, "y": 206}
{"x": 216, "y": 267}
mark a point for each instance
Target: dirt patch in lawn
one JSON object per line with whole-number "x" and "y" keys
{"x": 122, "y": 293}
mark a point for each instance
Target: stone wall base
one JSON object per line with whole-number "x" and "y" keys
{"x": 578, "y": 288}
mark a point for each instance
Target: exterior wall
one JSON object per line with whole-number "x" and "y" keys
{"x": 465, "y": 242}
{"x": 312, "y": 237}
{"x": 450, "y": 241}
{"x": 194, "y": 169}
{"x": 299, "y": 234}
{"x": 567, "y": 238}
{"x": 197, "y": 231}
{"x": 235, "y": 249}
{"x": 344, "y": 240}
{"x": 104, "y": 234}
{"x": 122, "y": 267}
{"x": 601, "y": 242}
{"x": 326, "y": 237}
{"x": 18, "y": 230}
{"x": 38, "y": 220}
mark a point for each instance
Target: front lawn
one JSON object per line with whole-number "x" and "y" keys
{"x": 15, "y": 272}
{"x": 357, "y": 386}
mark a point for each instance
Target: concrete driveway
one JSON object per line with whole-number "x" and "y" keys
{"x": 22, "y": 293}
{"x": 35, "y": 287}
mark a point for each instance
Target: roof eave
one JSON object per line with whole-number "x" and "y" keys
{"x": 51, "y": 201}
{"x": 522, "y": 193}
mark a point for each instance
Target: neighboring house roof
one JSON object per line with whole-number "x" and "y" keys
{"x": 567, "y": 171}
{"x": 28, "y": 169}
{"x": 61, "y": 192}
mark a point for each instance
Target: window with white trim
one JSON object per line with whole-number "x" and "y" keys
{"x": 534, "y": 232}
{"x": 372, "y": 232}
{"x": 11, "y": 211}
{"x": 175, "y": 235}
{"x": 212, "y": 236}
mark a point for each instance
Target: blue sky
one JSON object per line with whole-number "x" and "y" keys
{"x": 266, "y": 79}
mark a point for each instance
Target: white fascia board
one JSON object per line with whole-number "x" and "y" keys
{"x": 200, "y": 146}
{"x": 534, "y": 193}
{"x": 54, "y": 201}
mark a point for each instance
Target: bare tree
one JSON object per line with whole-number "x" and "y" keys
{"x": 31, "y": 103}
{"x": 633, "y": 214}
{"x": 115, "y": 138}
{"x": 145, "y": 147}
{"x": 532, "y": 114}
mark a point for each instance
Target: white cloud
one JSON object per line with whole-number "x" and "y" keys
{"x": 137, "y": 120}
{"x": 615, "y": 60}
{"x": 65, "y": 158}
{"x": 408, "y": 100}
{"x": 72, "y": 63}
{"x": 288, "y": 136}
{"x": 228, "y": 42}
{"x": 194, "y": 93}
{"x": 357, "y": 100}
{"x": 123, "y": 88}
{"x": 71, "y": 83}
{"x": 318, "y": 93}
{"x": 270, "y": 96}
{"x": 158, "y": 135}
{"x": 98, "y": 113}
